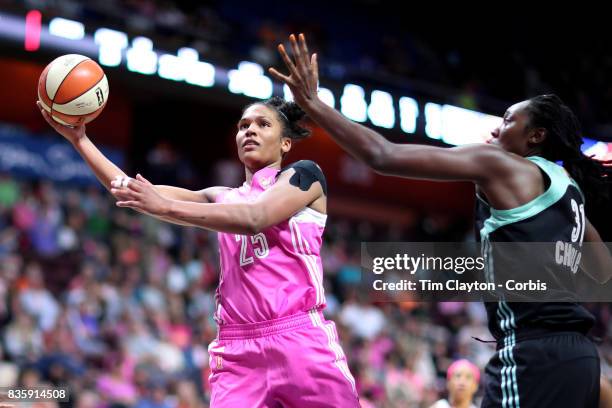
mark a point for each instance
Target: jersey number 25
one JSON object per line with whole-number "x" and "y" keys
{"x": 260, "y": 247}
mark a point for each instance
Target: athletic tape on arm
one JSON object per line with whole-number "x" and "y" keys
{"x": 307, "y": 172}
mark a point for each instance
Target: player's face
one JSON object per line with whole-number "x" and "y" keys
{"x": 259, "y": 139}
{"x": 512, "y": 134}
{"x": 462, "y": 385}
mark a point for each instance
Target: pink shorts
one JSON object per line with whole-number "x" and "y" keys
{"x": 294, "y": 361}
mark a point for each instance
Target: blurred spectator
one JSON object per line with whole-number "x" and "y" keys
{"x": 36, "y": 299}
{"x": 9, "y": 191}
{"x": 23, "y": 339}
{"x": 154, "y": 396}
{"x": 9, "y": 371}
{"x": 462, "y": 383}
{"x": 115, "y": 388}
{"x": 364, "y": 320}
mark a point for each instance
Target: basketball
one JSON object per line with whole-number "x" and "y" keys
{"x": 73, "y": 89}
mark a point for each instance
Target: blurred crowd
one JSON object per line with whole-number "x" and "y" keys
{"x": 370, "y": 42}
{"x": 118, "y": 307}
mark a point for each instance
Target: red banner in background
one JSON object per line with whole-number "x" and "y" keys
{"x": 18, "y": 105}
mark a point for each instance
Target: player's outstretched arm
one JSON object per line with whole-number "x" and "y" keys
{"x": 107, "y": 172}
{"x": 207, "y": 195}
{"x": 273, "y": 206}
{"x": 470, "y": 163}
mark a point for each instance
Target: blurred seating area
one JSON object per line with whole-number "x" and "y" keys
{"x": 118, "y": 307}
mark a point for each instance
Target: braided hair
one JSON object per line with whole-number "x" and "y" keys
{"x": 562, "y": 143}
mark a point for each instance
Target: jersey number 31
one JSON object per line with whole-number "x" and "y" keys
{"x": 579, "y": 218}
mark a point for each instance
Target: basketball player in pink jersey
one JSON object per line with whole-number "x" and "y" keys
{"x": 274, "y": 347}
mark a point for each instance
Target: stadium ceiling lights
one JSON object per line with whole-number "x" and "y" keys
{"x": 450, "y": 124}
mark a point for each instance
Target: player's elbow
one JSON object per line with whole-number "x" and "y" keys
{"x": 255, "y": 221}
{"x": 374, "y": 152}
{"x": 378, "y": 160}
{"x": 381, "y": 168}
{"x": 251, "y": 229}
{"x": 377, "y": 164}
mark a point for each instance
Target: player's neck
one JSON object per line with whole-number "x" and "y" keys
{"x": 249, "y": 172}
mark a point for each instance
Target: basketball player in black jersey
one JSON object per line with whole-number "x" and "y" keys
{"x": 544, "y": 358}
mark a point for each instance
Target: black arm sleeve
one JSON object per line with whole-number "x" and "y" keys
{"x": 307, "y": 172}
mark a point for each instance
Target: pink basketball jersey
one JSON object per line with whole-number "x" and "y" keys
{"x": 275, "y": 273}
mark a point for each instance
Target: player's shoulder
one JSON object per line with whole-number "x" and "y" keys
{"x": 307, "y": 165}
{"x": 492, "y": 160}
{"x": 306, "y": 172}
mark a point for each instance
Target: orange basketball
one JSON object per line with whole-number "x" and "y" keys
{"x": 73, "y": 89}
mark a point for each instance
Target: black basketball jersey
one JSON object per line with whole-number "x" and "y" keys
{"x": 557, "y": 216}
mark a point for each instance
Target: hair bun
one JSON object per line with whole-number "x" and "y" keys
{"x": 293, "y": 114}
{"x": 293, "y": 111}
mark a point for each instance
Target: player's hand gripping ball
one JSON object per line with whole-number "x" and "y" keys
{"x": 73, "y": 89}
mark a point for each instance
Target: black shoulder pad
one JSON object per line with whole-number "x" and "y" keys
{"x": 307, "y": 172}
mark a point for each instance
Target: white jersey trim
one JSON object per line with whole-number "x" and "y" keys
{"x": 309, "y": 260}
{"x": 308, "y": 215}
{"x": 334, "y": 346}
